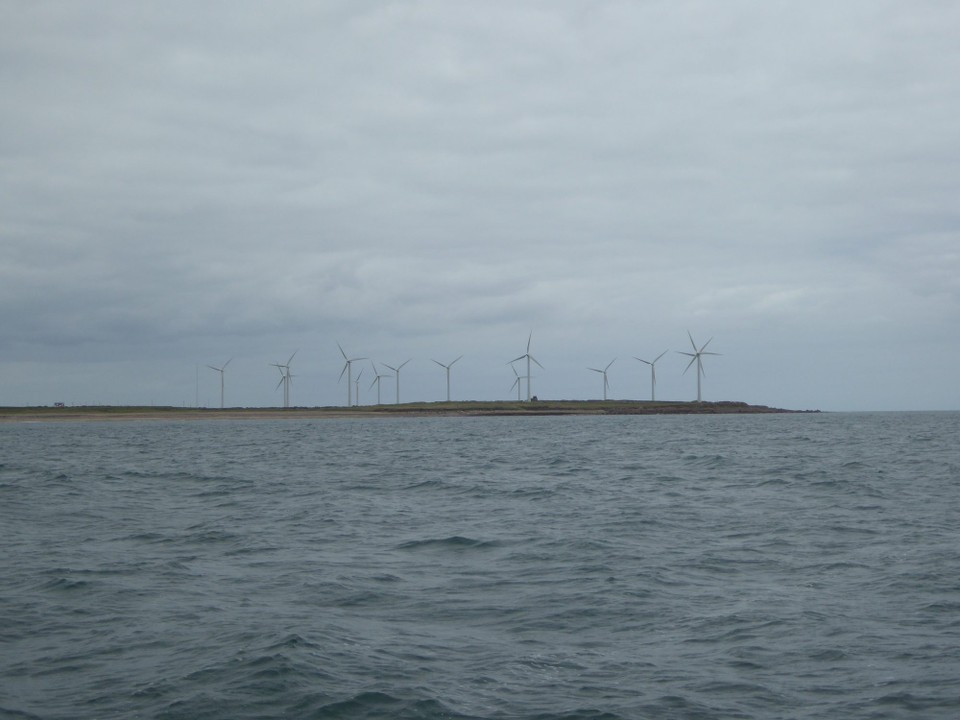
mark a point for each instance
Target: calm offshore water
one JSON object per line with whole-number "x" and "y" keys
{"x": 771, "y": 566}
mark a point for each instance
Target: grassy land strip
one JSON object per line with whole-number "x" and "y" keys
{"x": 439, "y": 409}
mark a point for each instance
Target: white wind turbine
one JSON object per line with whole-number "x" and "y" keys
{"x": 528, "y": 358}
{"x": 220, "y": 370}
{"x": 653, "y": 372}
{"x": 283, "y": 381}
{"x": 285, "y": 378}
{"x": 447, "y": 368}
{"x": 516, "y": 383}
{"x": 396, "y": 371}
{"x": 348, "y": 369}
{"x": 357, "y": 383}
{"x": 377, "y": 377}
{"x": 603, "y": 372}
{"x": 695, "y": 357}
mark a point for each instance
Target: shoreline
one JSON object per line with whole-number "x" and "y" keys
{"x": 537, "y": 408}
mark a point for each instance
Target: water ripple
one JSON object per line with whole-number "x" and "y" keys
{"x": 510, "y": 568}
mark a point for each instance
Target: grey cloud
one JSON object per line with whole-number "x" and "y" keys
{"x": 434, "y": 174}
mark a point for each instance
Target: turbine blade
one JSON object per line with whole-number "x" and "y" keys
{"x": 705, "y": 344}
{"x": 404, "y": 363}
{"x": 609, "y": 364}
{"x": 529, "y": 338}
{"x": 456, "y": 360}
{"x": 517, "y": 358}
{"x": 692, "y": 361}
{"x": 645, "y": 362}
{"x": 535, "y": 360}
{"x": 345, "y": 366}
{"x": 291, "y": 357}
{"x": 691, "y": 341}
{"x": 439, "y": 363}
{"x": 660, "y": 356}
{"x": 342, "y": 352}
{"x": 595, "y": 370}
{"x": 279, "y": 383}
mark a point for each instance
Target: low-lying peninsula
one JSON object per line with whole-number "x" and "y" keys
{"x": 419, "y": 409}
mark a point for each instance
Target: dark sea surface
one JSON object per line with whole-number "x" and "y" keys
{"x": 762, "y": 566}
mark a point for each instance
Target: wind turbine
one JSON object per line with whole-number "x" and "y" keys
{"x": 603, "y": 372}
{"x": 376, "y": 380}
{"x": 516, "y": 383}
{"x": 357, "y": 383}
{"x": 528, "y": 357}
{"x": 283, "y": 381}
{"x": 396, "y": 370}
{"x": 285, "y": 377}
{"x": 447, "y": 368}
{"x": 695, "y": 357}
{"x": 220, "y": 370}
{"x": 653, "y": 373}
{"x": 348, "y": 369}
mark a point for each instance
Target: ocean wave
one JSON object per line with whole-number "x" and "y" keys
{"x": 454, "y": 542}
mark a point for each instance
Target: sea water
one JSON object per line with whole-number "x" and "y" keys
{"x": 762, "y": 566}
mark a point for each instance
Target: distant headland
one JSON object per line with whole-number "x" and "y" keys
{"x": 419, "y": 409}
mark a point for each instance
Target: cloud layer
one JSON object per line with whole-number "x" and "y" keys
{"x": 182, "y": 185}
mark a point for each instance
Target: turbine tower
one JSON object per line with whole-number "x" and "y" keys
{"x": 696, "y": 357}
{"x": 285, "y": 377}
{"x": 377, "y": 377}
{"x": 447, "y": 368}
{"x": 220, "y": 370}
{"x": 528, "y": 358}
{"x": 653, "y": 373}
{"x": 348, "y": 369}
{"x": 603, "y": 372}
{"x": 396, "y": 371}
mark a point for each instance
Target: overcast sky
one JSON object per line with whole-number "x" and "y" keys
{"x": 184, "y": 183}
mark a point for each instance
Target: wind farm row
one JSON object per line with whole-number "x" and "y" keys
{"x": 376, "y": 372}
